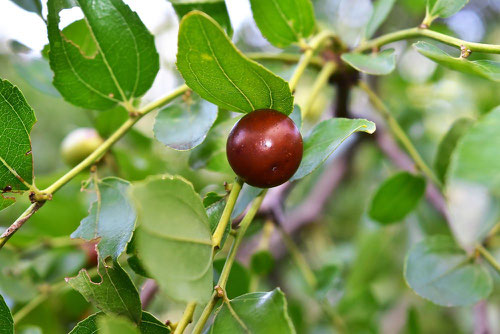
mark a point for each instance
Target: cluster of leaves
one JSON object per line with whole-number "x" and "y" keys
{"x": 161, "y": 222}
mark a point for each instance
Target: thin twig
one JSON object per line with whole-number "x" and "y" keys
{"x": 9, "y": 232}
{"x": 149, "y": 290}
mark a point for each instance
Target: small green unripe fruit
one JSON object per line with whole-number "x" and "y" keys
{"x": 78, "y": 144}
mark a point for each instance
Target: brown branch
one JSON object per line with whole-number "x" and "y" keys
{"x": 148, "y": 292}
{"x": 19, "y": 222}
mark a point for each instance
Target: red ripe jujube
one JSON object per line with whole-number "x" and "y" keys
{"x": 264, "y": 148}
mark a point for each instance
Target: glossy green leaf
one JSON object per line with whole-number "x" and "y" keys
{"x": 396, "y": 197}
{"x": 214, "y": 8}
{"x": 213, "y": 67}
{"x": 116, "y": 72}
{"x": 283, "y": 22}
{"x": 16, "y": 121}
{"x": 258, "y": 312}
{"x": 34, "y": 6}
{"x": 324, "y": 140}
{"x": 473, "y": 181}
{"x": 174, "y": 229}
{"x": 444, "y": 8}
{"x": 262, "y": 262}
{"x": 185, "y": 124}
{"x": 438, "y": 270}
{"x": 448, "y": 144}
{"x": 381, "y": 8}
{"x": 488, "y": 69}
{"x": 111, "y": 217}
{"x": 114, "y": 294}
{"x": 115, "y": 325}
{"x": 6, "y": 322}
{"x": 149, "y": 325}
{"x": 238, "y": 282}
{"x": 376, "y": 63}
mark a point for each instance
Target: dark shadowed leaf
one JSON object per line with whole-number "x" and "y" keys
{"x": 324, "y": 140}
{"x": 262, "y": 262}
{"x": 488, "y": 69}
{"x": 438, "y": 270}
{"x": 448, "y": 144}
{"x": 16, "y": 120}
{"x": 214, "y": 8}
{"x": 375, "y": 63}
{"x": 185, "y": 124}
{"x": 114, "y": 294}
{"x": 111, "y": 217}
{"x": 213, "y": 67}
{"x": 6, "y": 322}
{"x": 239, "y": 278}
{"x": 283, "y": 22}
{"x": 381, "y": 8}
{"x": 34, "y": 6}
{"x": 115, "y": 72}
{"x": 258, "y": 312}
{"x": 396, "y": 197}
{"x": 174, "y": 229}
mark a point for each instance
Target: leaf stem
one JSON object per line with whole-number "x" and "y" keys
{"x": 186, "y": 319}
{"x": 400, "y": 134}
{"x": 226, "y": 214}
{"x": 420, "y": 32}
{"x": 221, "y": 284}
{"x": 306, "y": 58}
{"x": 88, "y": 161}
{"x": 488, "y": 257}
{"x": 321, "y": 80}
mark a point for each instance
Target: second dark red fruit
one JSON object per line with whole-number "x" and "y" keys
{"x": 264, "y": 148}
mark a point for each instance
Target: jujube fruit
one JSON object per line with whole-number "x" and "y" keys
{"x": 78, "y": 144}
{"x": 264, "y": 148}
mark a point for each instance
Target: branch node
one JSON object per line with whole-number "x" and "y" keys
{"x": 464, "y": 51}
{"x": 220, "y": 291}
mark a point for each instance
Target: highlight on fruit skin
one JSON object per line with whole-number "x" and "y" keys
{"x": 78, "y": 144}
{"x": 265, "y": 148}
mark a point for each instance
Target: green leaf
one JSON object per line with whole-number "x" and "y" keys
{"x": 149, "y": 325}
{"x": 438, "y": 270}
{"x": 184, "y": 125}
{"x": 473, "y": 181}
{"x": 111, "y": 218}
{"x": 376, "y": 63}
{"x": 16, "y": 121}
{"x": 444, "y": 8}
{"x": 16, "y": 282}
{"x": 214, "y": 8}
{"x": 381, "y": 8}
{"x": 109, "y": 121}
{"x": 213, "y": 67}
{"x": 296, "y": 116}
{"x": 258, "y": 312}
{"x": 174, "y": 233}
{"x": 396, "y": 197}
{"x": 329, "y": 281}
{"x": 6, "y": 322}
{"x": 488, "y": 69}
{"x": 115, "y": 325}
{"x": 211, "y": 154}
{"x": 262, "y": 262}
{"x": 283, "y": 22}
{"x": 448, "y": 144}
{"x": 123, "y": 65}
{"x": 114, "y": 294}
{"x": 34, "y": 6}
{"x": 247, "y": 194}
{"x": 214, "y": 212}
{"x": 239, "y": 278}
{"x": 6, "y": 201}
{"x": 324, "y": 140}
{"x": 36, "y": 72}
